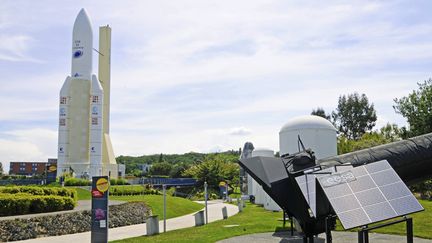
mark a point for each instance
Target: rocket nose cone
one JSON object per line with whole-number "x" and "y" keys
{"x": 82, "y": 20}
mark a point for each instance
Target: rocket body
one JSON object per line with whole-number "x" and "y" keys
{"x": 81, "y": 108}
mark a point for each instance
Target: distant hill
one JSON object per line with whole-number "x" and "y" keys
{"x": 190, "y": 158}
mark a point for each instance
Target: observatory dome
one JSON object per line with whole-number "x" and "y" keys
{"x": 315, "y": 132}
{"x": 307, "y": 122}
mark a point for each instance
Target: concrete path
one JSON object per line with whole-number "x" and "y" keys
{"x": 82, "y": 205}
{"x": 338, "y": 237}
{"x": 214, "y": 213}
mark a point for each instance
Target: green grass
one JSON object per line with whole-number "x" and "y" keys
{"x": 176, "y": 206}
{"x": 254, "y": 219}
{"x": 83, "y": 194}
{"x": 422, "y": 223}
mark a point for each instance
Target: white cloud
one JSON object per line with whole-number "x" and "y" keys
{"x": 239, "y": 131}
{"x": 200, "y": 76}
{"x": 14, "y": 48}
{"x": 27, "y": 145}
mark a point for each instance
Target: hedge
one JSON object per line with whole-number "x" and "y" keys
{"x": 77, "y": 182}
{"x": 132, "y": 190}
{"x": 118, "y": 182}
{"x": 41, "y": 191}
{"x": 24, "y": 203}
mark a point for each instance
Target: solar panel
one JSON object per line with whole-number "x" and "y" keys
{"x": 307, "y": 184}
{"x": 368, "y": 194}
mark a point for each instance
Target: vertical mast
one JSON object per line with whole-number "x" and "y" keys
{"x": 105, "y": 72}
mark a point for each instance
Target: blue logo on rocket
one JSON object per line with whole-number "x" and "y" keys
{"x": 77, "y": 54}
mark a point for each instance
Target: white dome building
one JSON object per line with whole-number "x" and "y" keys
{"x": 315, "y": 132}
{"x": 261, "y": 197}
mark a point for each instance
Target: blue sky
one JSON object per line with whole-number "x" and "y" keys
{"x": 208, "y": 75}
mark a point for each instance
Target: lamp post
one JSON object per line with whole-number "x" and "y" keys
{"x": 205, "y": 200}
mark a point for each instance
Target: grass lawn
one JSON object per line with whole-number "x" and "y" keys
{"x": 254, "y": 219}
{"x": 83, "y": 194}
{"x": 422, "y": 223}
{"x": 176, "y": 206}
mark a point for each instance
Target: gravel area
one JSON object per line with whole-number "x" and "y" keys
{"x": 70, "y": 222}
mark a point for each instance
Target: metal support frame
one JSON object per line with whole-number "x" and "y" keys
{"x": 292, "y": 226}
{"x": 363, "y": 234}
{"x": 328, "y": 228}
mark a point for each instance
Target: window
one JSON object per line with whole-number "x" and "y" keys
{"x": 94, "y": 121}
{"x": 63, "y": 100}
{"x": 62, "y": 122}
{"x": 95, "y": 99}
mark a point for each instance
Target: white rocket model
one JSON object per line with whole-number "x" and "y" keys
{"x": 81, "y": 108}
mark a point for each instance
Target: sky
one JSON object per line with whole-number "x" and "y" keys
{"x": 207, "y": 76}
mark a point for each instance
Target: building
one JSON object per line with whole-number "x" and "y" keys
{"x": 145, "y": 167}
{"x": 30, "y": 168}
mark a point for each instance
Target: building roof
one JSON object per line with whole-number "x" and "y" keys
{"x": 307, "y": 122}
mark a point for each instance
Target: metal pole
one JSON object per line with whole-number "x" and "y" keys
{"x": 226, "y": 191}
{"x": 409, "y": 230}
{"x": 164, "y": 207}
{"x": 205, "y": 199}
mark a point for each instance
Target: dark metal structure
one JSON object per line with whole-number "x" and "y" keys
{"x": 411, "y": 159}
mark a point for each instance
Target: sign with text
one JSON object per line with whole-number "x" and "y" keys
{"x": 51, "y": 172}
{"x": 337, "y": 178}
{"x": 99, "y": 225}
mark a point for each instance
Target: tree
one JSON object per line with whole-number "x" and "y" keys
{"x": 1, "y": 169}
{"x": 417, "y": 109}
{"x": 392, "y": 132}
{"x": 320, "y": 112}
{"x": 354, "y": 116}
{"x": 163, "y": 168}
{"x": 214, "y": 169}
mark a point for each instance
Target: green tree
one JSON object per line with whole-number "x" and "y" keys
{"x": 1, "y": 169}
{"x": 392, "y": 132}
{"x": 214, "y": 169}
{"x": 417, "y": 109}
{"x": 320, "y": 112}
{"x": 163, "y": 168}
{"x": 354, "y": 116}
{"x": 387, "y": 134}
{"x": 178, "y": 169}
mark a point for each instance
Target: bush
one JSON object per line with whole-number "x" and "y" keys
{"x": 132, "y": 190}
{"x": 24, "y": 203}
{"x": 77, "y": 182}
{"x": 42, "y": 191}
{"x": 118, "y": 182}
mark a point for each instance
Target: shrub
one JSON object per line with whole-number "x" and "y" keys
{"x": 118, "y": 182}
{"x": 132, "y": 190}
{"x": 24, "y": 203}
{"x": 77, "y": 182}
{"x": 43, "y": 191}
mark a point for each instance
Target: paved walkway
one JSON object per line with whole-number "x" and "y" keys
{"x": 338, "y": 237}
{"x": 214, "y": 213}
{"x": 82, "y": 205}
